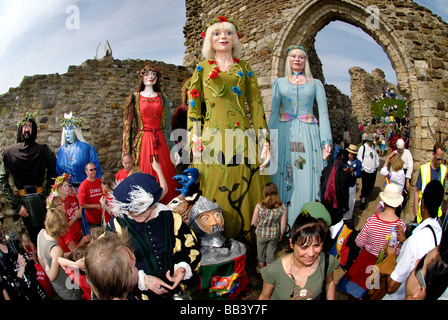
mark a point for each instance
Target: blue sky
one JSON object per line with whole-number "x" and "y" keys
{"x": 45, "y": 37}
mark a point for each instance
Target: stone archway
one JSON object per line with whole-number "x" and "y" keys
{"x": 312, "y": 16}
{"x": 415, "y": 40}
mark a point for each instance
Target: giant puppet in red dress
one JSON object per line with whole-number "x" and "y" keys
{"x": 146, "y": 128}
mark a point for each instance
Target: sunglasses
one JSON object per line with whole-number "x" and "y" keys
{"x": 419, "y": 272}
{"x": 94, "y": 169}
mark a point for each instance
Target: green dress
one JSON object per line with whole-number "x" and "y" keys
{"x": 229, "y": 141}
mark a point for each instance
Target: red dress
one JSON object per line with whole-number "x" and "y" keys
{"x": 153, "y": 144}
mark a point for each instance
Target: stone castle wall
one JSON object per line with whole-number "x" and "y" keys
{"x": 363, "y": 87}
{"x": 96, "y": 91}
{"x": 414, "y": 39}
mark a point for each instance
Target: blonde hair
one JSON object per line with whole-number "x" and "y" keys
{"x": 396, "y": 162}
{"x": 307, "y": 70}
{"x": 55, "y": 222}
{"x": 108, "y": 268}
{"x": 208, "y": 52}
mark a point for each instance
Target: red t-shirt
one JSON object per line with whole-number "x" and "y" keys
{"x": 121, "y": 175}
{"x": 109, "y": 198}
{"x": 91, "y": 193}
{"x": 73, "y": 232}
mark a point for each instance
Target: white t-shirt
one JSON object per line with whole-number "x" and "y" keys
{"x": 414, "y": 248}
{"x": 396, "y": 177}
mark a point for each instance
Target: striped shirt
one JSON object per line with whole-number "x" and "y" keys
{"x": 269, "y": 221}
{"x": 372, "y": 236}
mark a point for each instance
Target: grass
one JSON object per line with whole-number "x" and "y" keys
{"x": 377, "y": 107}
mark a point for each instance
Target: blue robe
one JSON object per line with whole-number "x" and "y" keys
{"x": 72, "y": 158}
{"x": 298, "y": 141}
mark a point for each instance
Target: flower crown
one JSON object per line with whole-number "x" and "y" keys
{"x": 26, "y": 116}
{"x": 150, "y": 68}
{"x": 70, "y": 120}
{"x": 219, "y": 20}
{"x": 54, "y": 188}
{"x": 59, "y": 180}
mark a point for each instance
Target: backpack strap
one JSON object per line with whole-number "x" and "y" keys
{"x": 323, "y": 294}
{"x": 433, "y": 233}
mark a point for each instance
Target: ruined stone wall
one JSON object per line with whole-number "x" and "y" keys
{"x": 363, "y": 86}
{"x": 96, "y": 91}
{"x": 415, "y": 40}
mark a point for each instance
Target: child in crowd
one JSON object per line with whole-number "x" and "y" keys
{"x": 372, "y": 239}
{"x": 48, "y": 252}
{"x": 108, "y": 184}
{"x": 269, "y": 218}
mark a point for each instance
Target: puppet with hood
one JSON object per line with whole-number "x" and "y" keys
{"x": 32, "y": 168}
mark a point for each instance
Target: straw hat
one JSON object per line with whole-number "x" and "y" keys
{"x": 391, "y": 195}
{"x": 352, "y": 149}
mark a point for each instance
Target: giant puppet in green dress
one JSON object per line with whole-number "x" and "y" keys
{"x": 228, "y": 147}
{"x": 303, "y": 142}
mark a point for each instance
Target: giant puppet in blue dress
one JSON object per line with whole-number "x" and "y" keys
{"x": 75, "y": 152}
{"x": 301, "y": 143}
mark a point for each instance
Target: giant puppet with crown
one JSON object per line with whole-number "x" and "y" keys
{"x": 31, "y": 167}
{"x": 75, "y": 152}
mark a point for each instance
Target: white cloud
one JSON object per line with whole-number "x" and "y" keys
{"x": 20, "y": 16}
{"x": 38, "y": 41}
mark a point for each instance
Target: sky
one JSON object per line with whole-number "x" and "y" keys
{"x": 47, "y": 36}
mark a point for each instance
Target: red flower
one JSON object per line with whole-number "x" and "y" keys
{"x": 212, "y": 61}
{"x": 222, "y": 19}
{"x": 238, "y": 123}
{"x": 217, "y": 69}
{"x": 236, "y": 60}
{"x": 203, "y": 34}
{"x": 194, "y": 93}
{"x": 214, "y": 75}
{"x": 239, "y": 35}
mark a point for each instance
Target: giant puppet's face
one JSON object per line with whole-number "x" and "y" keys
{"x": 297, "y": 60}
{"x": 222, "y": 40}
{"x": 70, "y": 135}
{"x": 149, "y": 78}
{"x": 211, "y": 222}
{"x": 27, "y": 129}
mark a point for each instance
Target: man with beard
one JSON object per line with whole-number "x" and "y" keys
{"x": 222, "y": 269}
{"x": 30, "y": 165}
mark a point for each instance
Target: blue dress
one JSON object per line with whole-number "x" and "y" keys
{"x": 71, "y": 159}
{"x": 296, "y": 152}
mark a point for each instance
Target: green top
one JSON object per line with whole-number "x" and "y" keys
{"x": 285, "y": 287}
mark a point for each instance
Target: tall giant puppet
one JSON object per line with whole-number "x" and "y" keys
{"x": 227, "y": 148}
{"x": 31, "y": 166}
{"x": 304, "y": 142}
{"x": 75, "y": 152}
{"x": 147, "y": 129}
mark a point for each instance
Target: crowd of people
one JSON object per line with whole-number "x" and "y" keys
{"x": 106, "y": 235}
